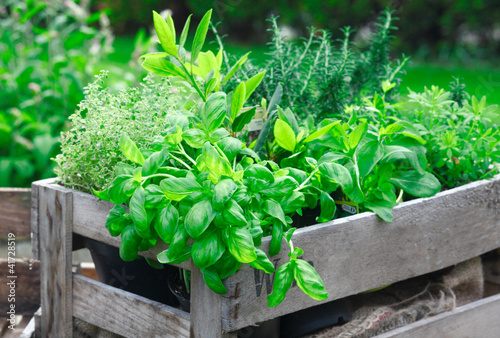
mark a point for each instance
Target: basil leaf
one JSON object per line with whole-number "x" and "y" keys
{"x": 213, "y": 111}
{"x": 328, "y": 208}
{"x": 227, "y": 265}
{"x": 243, "y": 119}
{"x": 367, "y": 156}
{"x": 309, "y": 281}
{"x": 178, "y": 247}
{"x": 216, "y": 165}
{"x": 199, "y": 218}
{"x": 237, "y": 101}
{"x": 259, "y": 171}
{"x": 282, "y": 283}
{"x": 277, "y": 235}
{"x": 293, "y": 202}
{"x": 129, "y": 245}
{"x": 213, "y": 280}
{"x": 382, "y": 207}
{"x": 180, "y": 185}
{"x": 154, "y": 162}
{"x": 207, "y": 249}
{"x": 282, "y": 186}
{"x": 194, "y": 137}
{"x": 115, "y": 222}
{"x": 284, "y": 135}
{"x": 233, "y": 214}
{"x": 240, "y": 243}
{"x": 262, "y": 262}
{"x": 154, "y": 196}
{"x": 337, "y": 173}
{"x": 357, "y": 135}
{"x": 416, "y": 184}
{"x": 223, "y": 191}
{"x": 273, "y": 208}
{"x": 138, "y": 210}
{"x": 182, "y": 256}
{"x": 231, "y": 147}
{"x": 130, "y": 150}
{"x": 166, "y": 222}
{"x": 122, "y": 188}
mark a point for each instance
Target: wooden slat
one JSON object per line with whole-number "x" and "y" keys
{"x": 27, "y": 282}
{"x": 35, "y": 240}
{"x": 125, "y": 313}
{"x": 362, "y": 252}
{"x": 55, "y": 214}
{"x": 478, "y": 319}
{"x": 15, "y": 212}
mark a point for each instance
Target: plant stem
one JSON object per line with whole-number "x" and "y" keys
{"x": 307, "y": 180}
{"x": 193, "y": 82}
{"x": 183, "y": 152}
{"x": 181, "y": 162}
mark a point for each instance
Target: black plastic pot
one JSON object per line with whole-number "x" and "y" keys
{"x": 136, "y": 276}
{"x": 178, "y": 289}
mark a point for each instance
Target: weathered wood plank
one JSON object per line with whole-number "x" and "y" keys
{"x": 478, "y": 319}
{"x": 27, "y": 286}
{"x": 362, "y": 252}
{"x": 126, "y": 314}
{"x": 55, "y": 213}
{"x": 205, "y": 310}
{"x": 29, "y": 330}
{"x": 35, "y": 240}
{"x": 15, "y": 212}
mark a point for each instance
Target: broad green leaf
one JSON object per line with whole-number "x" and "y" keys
{"x": 207, "y": 63}
{"x": 227, "y": 265}
{"x": 178, "y": 247}
{"x": 166, "y": 222}
{"x": 262, "y": 262}
{"x": 215, "y": 164}
{"x": 231, "y": 147}
{"x": 122, "y": 188}
{"x": 164, "y": 258}
{"x": 284, "y": 135}
{"x": 282, "y": 283}
{"x": 309, "y": 281}
{"x": 207, "y": 249}
{"x": 293, "y": 202}
{"x": 130, "y": 150}
{"x": 259, "y": 171}
{"x": 115, "y": 222}
{"x": 185, "y": 32}
{"x": 273, "y": 208}
{"x": 282, "y": 186}
{"x": 416, "y": 184}
{"x": 367, "y": 156}
{"x": 213, "y": 280}
{"x": 180, "y": 185}
{"x": 328, "y": 208}
{"x": 235, "y": 67}
{"x": 277, "y": 235}
{"x": 154, "y": 196}
{"x": 194, "y": 137}
{"x": 238, "y": 100}
{"x": 129, "y": 244}
{"x": 138, "y": 210}
{"x": 162, "y": 67}
{"x": 165, "y": 33}
{"x": 223, "y": 191}
{"x": 337, "y": 173}
{"x": 233, "y": 214}
{"x": 240, "y": 243}
{"x": 357, "y": 135}
{"x": 154, "y": 162}
{"x": 199, "y": 218}
{"x": 102, "y": 195}
{"x": 252, "y": 83}
{"x": 213, "y": 112}
{"x": 174, "y": 139}
{"x": 320, "y": 132}
{"x": 200, "y": 35}
{"x": 381, "y": 207}
{"x": 289, "y": 117}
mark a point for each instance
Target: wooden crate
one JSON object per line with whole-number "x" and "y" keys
{"x": 352, "y": 255}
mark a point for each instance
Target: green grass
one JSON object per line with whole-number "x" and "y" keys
{"x": 480, "y": 79}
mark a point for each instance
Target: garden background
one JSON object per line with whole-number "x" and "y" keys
{"x": 50, "y": 50}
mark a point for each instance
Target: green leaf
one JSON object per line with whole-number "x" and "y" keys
{"x": 122, "y": 188}
{"x": 273, "y": 208}
{"x": 102, "y": 195}
{"x": 180, "y": 185}
{"x": 207, "y": 63}
{"x": 328, "y": 208}
{"x": 194, "y": 137}
{"x": 284, "y": 135}
{"x": 381, "y": 207}
{"x": 227, "y": 265}
{"x": 207, "y": 249}
{"x": 318, "y": 133}
{"x": 337, "y": 173}
{"x": 367, "y": 156}
{"x": 238, "y": 100}
{"x": 166, "y": 33}
{"x": 178, "y": 248}
{"x": 115, "y": 222}
{"x": 129, "y": 245}
{"x": 277, "y": 235}
{"x": 252, "y": 83}
{"x": 154, "y": 162}
{"x": 162, "y": 67}
{"x": 130, "y": 150}
{"x": 357, "y": 135}
{"x": 235, "y": 67}
{"x": 282, "y": 186}
{"x": 200, "y": 35}
{"x": 259, "y": 171}
{"x": 213, "y": 281}
{"x": 213, "y": 111}
{"x": 166, "y": 222}
{"x": 233, "y": 214}
{"x": 282, "y": 283}
{"x": 416, "y": 184}
{"x": 138, "y": 210}
{"x": 309, "y": 281}
{"x": 293, "y": 202}
{"x": 262, "y": 262}
{"x": 185, "y": 32}
{"x": 289, "y": 117}
{"x": 231, "y": 147}
{"x": 223, "y": 191}
{"x": 199, "y": 218}
{"x": 182, "y": 256}
{"x": 216, "y": 165}
{"x": 240, "y": 243}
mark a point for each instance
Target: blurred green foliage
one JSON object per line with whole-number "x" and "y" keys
{"x": 49, "y": 50}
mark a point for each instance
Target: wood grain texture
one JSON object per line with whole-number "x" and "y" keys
{"x": 27, "y": 282}
{"x": 55, "y": 214}
{"x": 35, "y": 240}
{"x": 15, "y": 212}
{"x": 478, "y": 319}
{"x": 125, "y": 313}
{"x": 362, "y": 252}
{"x": 205, "y": 310}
